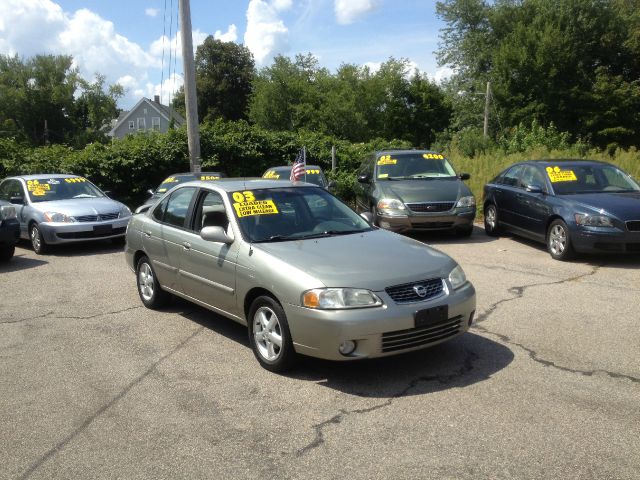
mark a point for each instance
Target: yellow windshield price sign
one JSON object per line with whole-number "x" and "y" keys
{"x": 432, "y": 156}
{"x": 271, "y": 174}
{"x": 387, "y": 160}
{"x": 558, "y": 175}
{"x": 209, "y": 177}
{"x": 75, "y": 180}
{"x": 246, "y": 205}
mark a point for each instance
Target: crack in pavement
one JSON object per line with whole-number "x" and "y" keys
{"x": 548, "y": 363}
{"x": 336, "y": 419}
{"x": 71, "y": 317}
{"x": 519, "y": 291}
{"x": 65, "y": 441}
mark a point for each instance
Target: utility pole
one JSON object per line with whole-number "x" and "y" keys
{"x": 191, "y": 103}
{"x": 486, "y": 110}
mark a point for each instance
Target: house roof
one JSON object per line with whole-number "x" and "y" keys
{"x": 164, "y": 111}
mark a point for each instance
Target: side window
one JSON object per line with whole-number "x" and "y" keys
{"x": 9, "y": 189}
{"x": 210, "y": 212}
{"x": 510, "y": 178}
{"x": 4, "y": 190}
{"x": 158, "y": 212}
{"x": 532, "y": 176}
{"x": 366, "y": 168}
{"x": 178, "y": 207}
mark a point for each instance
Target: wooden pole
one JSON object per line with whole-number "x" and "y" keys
{"x": 486, "y": 110}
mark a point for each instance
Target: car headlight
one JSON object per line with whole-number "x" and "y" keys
{"x": 457, "y": 277}
{"x": 7, "y": 212}
{"x": 469, "y": 201}
{"x": 593, "y": 220}
{"x": 58, "y": 217}
{"x": 391, "y": 207}
{"x": 338, "y": 298}
{"x": 125, "y": 211}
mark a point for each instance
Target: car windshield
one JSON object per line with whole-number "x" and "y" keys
{"x": 293, "y": 213}
{"x": 401, "y": 166}
{"x": 575, "y": 179}
{"x": 61, "y": 188}
{"x": 312, "y": 175}
{"x": 170, "y": 182}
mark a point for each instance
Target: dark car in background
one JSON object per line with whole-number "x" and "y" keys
{"x": 571, "y": 205}
{"x": 313, "y": 174}
{"x": 415, "y": 190}
{"x": 9, "y": 230}
{"x": 173, "y": 180}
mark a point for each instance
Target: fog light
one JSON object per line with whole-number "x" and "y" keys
{"x": 347, "y": 347}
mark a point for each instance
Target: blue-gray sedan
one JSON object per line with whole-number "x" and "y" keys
{"x": 57, "y": 208}
{"x": 305, "y": 273}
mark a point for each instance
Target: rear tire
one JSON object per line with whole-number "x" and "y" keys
{"x": 6, "y": 253}
{"x": 559, "y": 241}
{"x": 37, "y": 240}
{"x": 149, "y": 289}
{"x": 491, "y": 225}
{"x": 269, "y": 335}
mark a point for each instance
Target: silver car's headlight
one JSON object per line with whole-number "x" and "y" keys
{"x": 593, "y": 220}
{"x": 391, "y": 207}
{"x": 457, "y": 277}
{"x": 125, "y": 211}
{"x": 7, "y": 212}
{"x": 338, "y": 298}
{"x": 58, "y": 217}
{"x": 469, "y": 201}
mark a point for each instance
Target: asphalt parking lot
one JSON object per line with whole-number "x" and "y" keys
{"x": 545, "y": 385}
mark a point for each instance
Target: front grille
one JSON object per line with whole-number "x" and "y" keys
{"x": 427, "y": 207}
{"x": 406, "y": 293}
{"x": 417, "y": 337}
{"x": 97, "y": 218}
{"x": 431, "y": 225}
{"x": 91, "y": 234}
{"x": 633, "y": 225}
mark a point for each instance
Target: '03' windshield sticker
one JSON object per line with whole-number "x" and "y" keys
{"x": 387, "y": 160}
{"x": 558, "y": 175}
{"x": 246, "y": 205}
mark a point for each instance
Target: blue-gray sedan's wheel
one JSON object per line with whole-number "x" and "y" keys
{"x": 491, "y": 220}
{"x": 269, "y": 335}
{"x": 559, "y": 241}
{"x": 149, "y": 289}
{"x": 37, "y": 241}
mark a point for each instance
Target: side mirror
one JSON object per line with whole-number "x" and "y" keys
{"x": 17, "y": 200}
{"x": 108, "y": 193}
{"x": 143, "y": 208}
{"x": 215, "y": 234}
{"x": 534, "y": 188}
{"x": 150, "y": 192}
{"x": 368, "y": 216}
{"x": 363, "y": 178}
{"x": 464, "y": 176}
{"x": 331, "y": 185}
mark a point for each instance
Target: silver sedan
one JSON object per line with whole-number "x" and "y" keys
{"x": 59, "y": 208}
{"x": 304, "y": 272}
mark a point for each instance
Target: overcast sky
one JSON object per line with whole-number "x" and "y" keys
{"x": 134, "y": 42}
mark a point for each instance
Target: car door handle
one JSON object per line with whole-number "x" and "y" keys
{"x": 186, "y": 245}
{"x": 147, "y": 234}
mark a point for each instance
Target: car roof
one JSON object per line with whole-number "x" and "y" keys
{"x": 199, "y": 173}
{"x": 403, "y": 150}
{"x": 45, "y": 176}
{"x": 288, "y": 167}
{"x": 552, "y": 162}
{"x": 241, "y": 184}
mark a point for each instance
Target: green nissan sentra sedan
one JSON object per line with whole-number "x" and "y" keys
{"x": 303, "y": 271}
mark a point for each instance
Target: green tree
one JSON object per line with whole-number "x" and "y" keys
{"x": 224, "y": 80}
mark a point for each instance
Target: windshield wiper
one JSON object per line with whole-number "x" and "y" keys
{"x": 331, "y": 233}
{"x": 275, "y": 238}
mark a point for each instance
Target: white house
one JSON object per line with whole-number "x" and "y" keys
{"x": 145, "y": 116}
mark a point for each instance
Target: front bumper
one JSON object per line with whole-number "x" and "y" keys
{"x": 380, "y": 331}
{"x": 9, "y": 232}
{"x": 605, "y": 240}
{"x": 58, "y": 233}
{"x": 458, "y": 218}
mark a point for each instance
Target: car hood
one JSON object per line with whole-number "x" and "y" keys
{"x": 80, "y": 206}
{"x": 625, "y": 206}
{"x": 373, "y": 260}
{"x": 424, "y": 190}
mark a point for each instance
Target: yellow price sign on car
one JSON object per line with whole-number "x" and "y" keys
{"x": 387, "y": 160}
{"x": 246, "y": 205}
{"x": 558, "y": 175}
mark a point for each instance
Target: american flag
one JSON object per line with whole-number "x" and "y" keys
{"x": 298, "y": 169}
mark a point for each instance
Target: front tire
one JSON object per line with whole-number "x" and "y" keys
{"x": 37, "y": 240}
{"x": 6, "y": 253}
{"x": 149, "y": 289}
{"x": 559, "y": 241}
{"x": 491, "y": 220}
{"x": 269, "y": 335}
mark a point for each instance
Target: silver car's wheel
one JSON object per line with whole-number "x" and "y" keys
{"x": 149, "y": 289}
{"x": 269, "y": 335}
{"x": 559, "y": 241}
{"x": 38, "y": 243}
